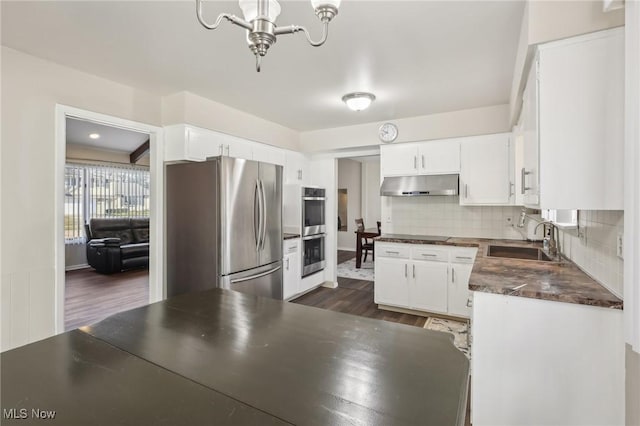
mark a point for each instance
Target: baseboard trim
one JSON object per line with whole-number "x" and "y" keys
{"x": 347, "y": 249}
{"x": 329, "y": 284}
{"x": 76, "y": 267}
{"x": 420, "y": 313}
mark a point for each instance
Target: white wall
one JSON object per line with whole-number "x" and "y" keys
{"x": 31, "y": 88}
{"x": 478, "y": 121}
{"x": 596, "y": 252}
{"x": 371, "y": 191}
{"x": 185, "y": 107}
{"x": 350, "y": 177}
{"x": 445, "y": 216}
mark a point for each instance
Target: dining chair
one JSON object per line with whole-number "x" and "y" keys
{"x": 366, "y": 243}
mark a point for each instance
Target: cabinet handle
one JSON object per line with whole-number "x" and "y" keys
{"x": 453, "y": 275}
{"x": 415, "y": 161}
{"x": 220, "y": 149}
{"x": 423, "y": 161}
{"x": 414, "y": 271}
{"x": 463, "y": 257}
{"x": 287, "y": 264}
{"x": 469, "y": 302}
{"x": 429, "y": 255}
{"x": 523, "y": 187}
{"x": 466, "y": 191}
{"x": 405, "y": 270}
{"x": 392, "y": 252}
{"x": 510, "y": 189}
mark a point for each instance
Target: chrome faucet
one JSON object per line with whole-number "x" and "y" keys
{"x": 554, "y": 248}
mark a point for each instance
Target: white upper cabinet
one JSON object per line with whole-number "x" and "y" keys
{"x": 399, "y": 160}
{"x": 268, "y": 154}
{"x": 424, "y": 158}
{"x": 574, "y": 130}
{"x": 439, "y": 157}
{"x": 484, "y": 172}
{"x": 296, "y": 168}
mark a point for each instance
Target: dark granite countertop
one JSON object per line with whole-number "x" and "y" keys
{"x": 223, "y": 357}
{"x": 289, "y": 236}
{"x": 558, "y": 281}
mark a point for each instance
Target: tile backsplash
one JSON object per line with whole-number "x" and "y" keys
{"x": 593, "y": 247}
{"x": 445, "y": 216}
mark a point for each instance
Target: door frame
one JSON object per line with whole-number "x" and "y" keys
{"x": 156, "y": 214}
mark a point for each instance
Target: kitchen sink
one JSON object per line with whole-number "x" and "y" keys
{"x": 525, "y": 253}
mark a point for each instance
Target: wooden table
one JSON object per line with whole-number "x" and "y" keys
{"x": 367, "y": 233}
{"x": 223, "y": 357}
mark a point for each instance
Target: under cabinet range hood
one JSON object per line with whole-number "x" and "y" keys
{"x": 412, "y": 186}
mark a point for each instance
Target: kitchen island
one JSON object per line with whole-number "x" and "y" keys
{"x": 225, "y": 355}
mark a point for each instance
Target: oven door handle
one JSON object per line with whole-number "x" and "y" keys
{"x": 313, "y": 237}
{"x": 314, "y": 198}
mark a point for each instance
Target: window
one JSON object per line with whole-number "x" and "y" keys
{"x": 103, "y": 192}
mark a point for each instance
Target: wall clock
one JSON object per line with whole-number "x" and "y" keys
{"x": 388, "y": 132}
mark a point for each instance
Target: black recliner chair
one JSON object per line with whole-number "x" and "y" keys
{"x": 116, "y": 245}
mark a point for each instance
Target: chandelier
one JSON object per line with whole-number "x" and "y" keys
{"x": 260, "y": 22}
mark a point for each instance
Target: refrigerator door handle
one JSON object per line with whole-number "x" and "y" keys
{"x": 253, "y": 277}
{"x": 257, "y": 232}
{"x": 263, "y": 215}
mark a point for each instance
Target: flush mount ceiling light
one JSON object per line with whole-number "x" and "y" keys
{"x": 260, "y": 22}
{"x": 358, "y": 101}
{"x": 94, "y": 136}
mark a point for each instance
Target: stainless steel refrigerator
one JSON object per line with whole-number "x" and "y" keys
{"x": 224, "y": 226}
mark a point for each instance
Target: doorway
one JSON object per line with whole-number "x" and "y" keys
{"x": 109, "y": 245}
{"x": 358, "y": 198}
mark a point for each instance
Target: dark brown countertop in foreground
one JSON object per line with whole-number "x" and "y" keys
{"x": 288, "y": 236}
{"x": 562, "y": 282}
{"x": 227, "y": 358}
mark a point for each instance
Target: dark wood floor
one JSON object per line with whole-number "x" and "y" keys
{"x": 344, "y": 255}
{"x": 91, "y": 297}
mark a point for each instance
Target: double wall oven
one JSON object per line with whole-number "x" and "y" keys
{"x": 313, "y": 230}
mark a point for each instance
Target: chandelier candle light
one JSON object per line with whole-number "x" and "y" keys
{"x": 260, "y": 22}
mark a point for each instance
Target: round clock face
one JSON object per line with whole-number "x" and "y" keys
{"x": 388, "y": 132}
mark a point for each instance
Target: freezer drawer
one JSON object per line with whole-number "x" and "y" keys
{"x": 265, "y": 281}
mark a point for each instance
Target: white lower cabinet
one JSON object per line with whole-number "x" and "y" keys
{"x": 431, "y": 278}
{"x": 428, "y": 289}
{"x": 392, "y": 272}
{"x": 291, "y": 268}
{"x": 542, "y": 362}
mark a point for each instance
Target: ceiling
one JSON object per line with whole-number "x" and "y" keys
{"x": 417, "y": 57}
{"x": 111, "y": 138}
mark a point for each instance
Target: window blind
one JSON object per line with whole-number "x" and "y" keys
{"x": 97, "y": 191}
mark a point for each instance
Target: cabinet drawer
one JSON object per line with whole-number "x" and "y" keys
{"x": 395, "y": 251}
{"x": 429, "y": 253}
{"x": 467, "y": 255}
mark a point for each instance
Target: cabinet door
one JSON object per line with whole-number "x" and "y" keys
{"x": 439, "y": 157}
{"x": 529, "y": 170}
{"x": 291, "y": 275}
{"x": 238, "y": 148}
{"x": 458, "y": 293}
{"x": 484, "y": 173}
{"x": 391, "y": 282}
{"x": 428, "y": 289}
{"x": 201, "y": 144}
{"x": 294, "y": 167}
{"x": 581, "y": 127}
{"x": 399, "y": 160}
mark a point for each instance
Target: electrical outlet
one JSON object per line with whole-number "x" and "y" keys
{"x": 619, "y": 246}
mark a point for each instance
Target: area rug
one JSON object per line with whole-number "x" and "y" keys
{"x": 458, "y": 329}
{"x": 348, "y": 270}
